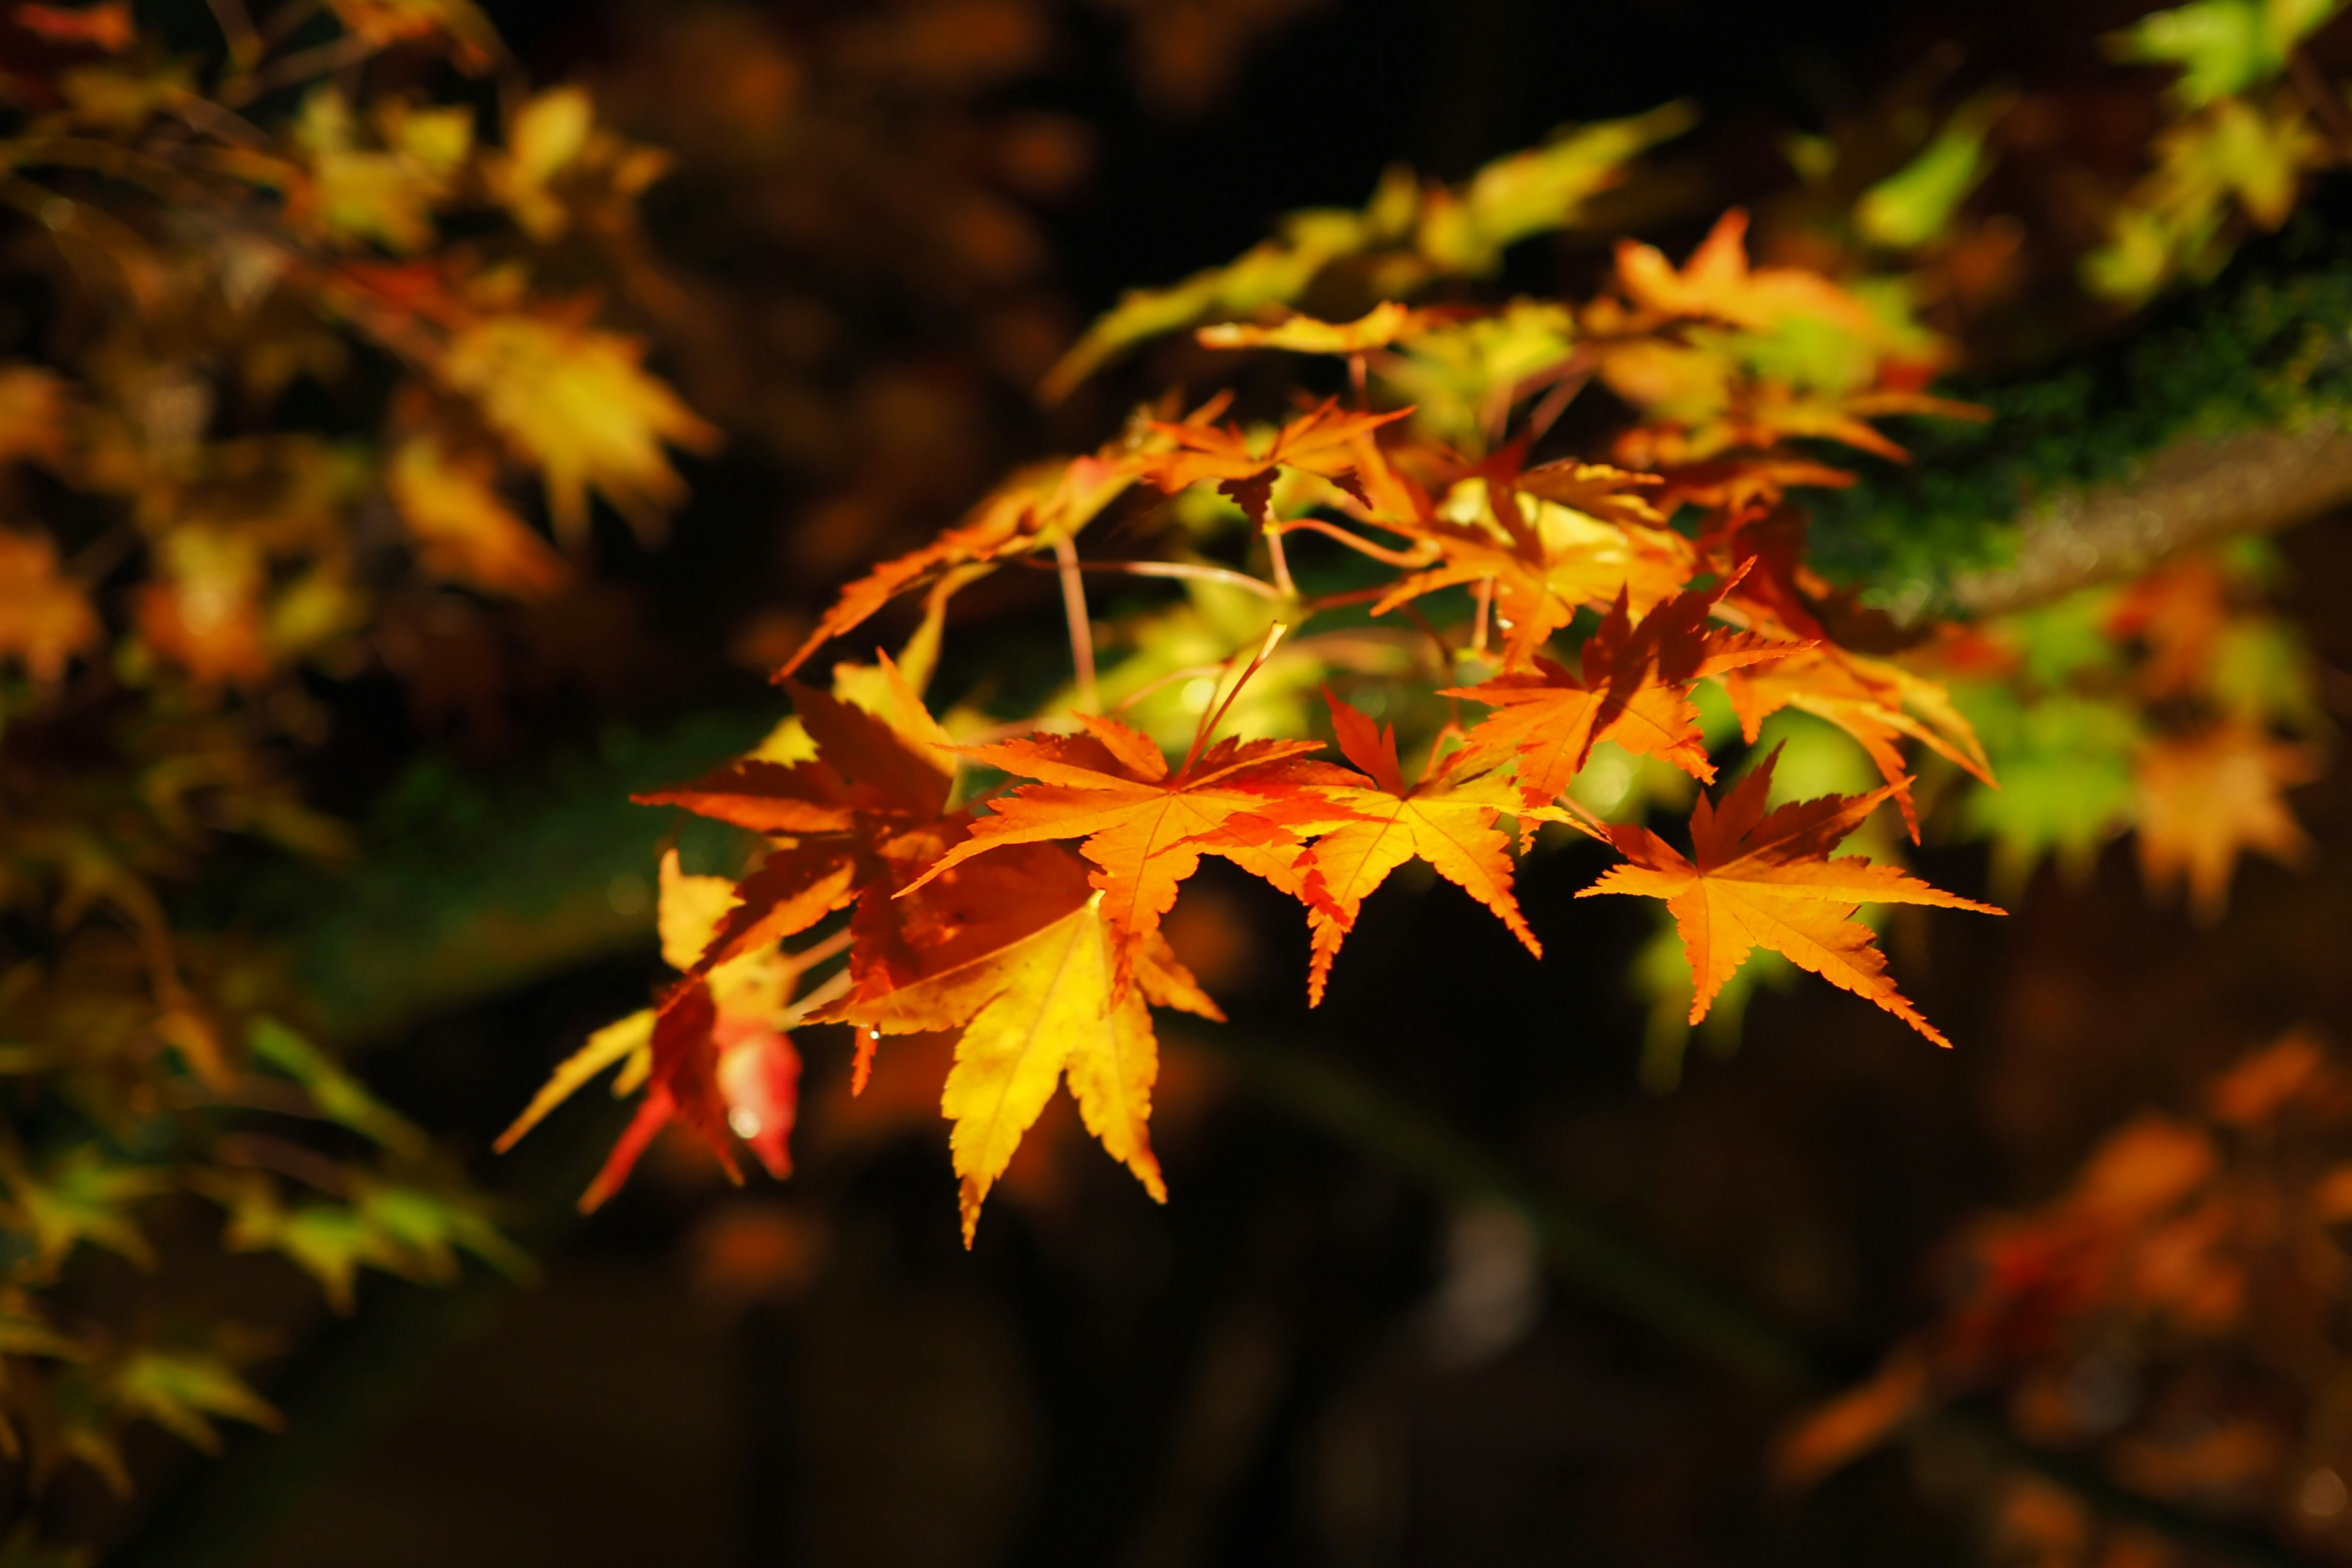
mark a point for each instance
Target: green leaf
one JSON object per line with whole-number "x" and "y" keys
{"x": 81, "y": 1197}
{"x": 2222, "y": 47}
{"x": 340, "y": 1096}
{"x": 1916, "y": 203}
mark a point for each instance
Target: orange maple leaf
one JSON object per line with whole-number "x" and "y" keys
{"x": 1634, "y": 689}
{"x": 1449, "y": 825}
{"x": 1326, "y": 441}
{"x": 2207, "y": 798}
{"x": 1769, "y": 879}
{"x": 1717, "y": 284}
{"x": 1594, "y": 544}
{"x": 1872, "y": 700}
{"x": 45, "y": 616}
{"x": 867, "y": 812}
{"x": 1146, "y": 828}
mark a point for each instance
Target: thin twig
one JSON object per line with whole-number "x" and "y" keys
{"x": 320, "y": 59}
{"x": 1358, "y": 542}
{"x": 1209, "y": 721}
{"x": 1082, "y": 632}
{"x": 262, "y": 1152}
{"x": 1280, "y": 562}
{"x": 1189, "y": 571}
{"x": 1555, "y": 403}
{"x": 244, "y": 45}
{"x": 1189, "y": 672}
{"x": 1485, "y": 600}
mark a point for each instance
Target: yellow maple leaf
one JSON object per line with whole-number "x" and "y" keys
{"x": 1383, "y": 324}
{"x": 1021, "y": 957}
{"x": 462, "y": 529}
{"x": 579, "y": 402}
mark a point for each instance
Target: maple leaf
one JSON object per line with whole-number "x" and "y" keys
{"x": 1547, "y": 559}
{"x": 385, "y": 196}
{"x": 1449, "y": 825}
{"x": 45, "y": 616}
{"x": 1041, "y": 502}
{"x": 1872, "y": 700}
{"x": 579, "y": 402}
{"x": 464, "y": 531}
{"x": 81, "y": 1196}
{"x": 1720, "y": 355}
{"x": 1326, "y": 441}
{"x": 2207, "y": 798}
{"x": 1632, "y": 687}
{"x": 1146, "y": 828}
{"x": 1015, "y": 949}
{"x": 1383, "y": 324}
{"x": 1770, "y": 879}
{"x": 1717, "y": 284}
{"x": 852, "y": 822}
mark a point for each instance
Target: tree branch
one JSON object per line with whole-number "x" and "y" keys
{"x": 2193, "y": 492}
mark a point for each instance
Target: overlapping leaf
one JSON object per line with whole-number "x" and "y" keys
{"x": 1145, "y": 827}
{"x": 1632, "y": 687}
{"x": 1771, "y": 879}
{"x": 1448, "y": 823}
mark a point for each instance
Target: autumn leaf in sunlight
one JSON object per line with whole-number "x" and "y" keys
{"x": 1633, "y": 688}
{"x": 851, "y": 826}
{"x": 1722, "y": 355}
{"x": 1038, "y": 503}
{"x": 1327, "y": 441}
{"x": 1450, "y": 825}
{"x": 712, "y": 1056}
{"x": 1771, "y": 880}
{"x": 1717, "y": 284}
{"x": 2207, "y": 798}
{"x": 1545, "y": 557}
{"x": 1013, "y": 948}
{"x": 1145, "y": 827}
{"x": 384, "y": 196}
{"x": 463, "y": 529}
{"x": 45, "y": 616}
{"x": 1383, "y": 324}
{"x": 1872, "y": 700}
{"x": 578, "y": 402}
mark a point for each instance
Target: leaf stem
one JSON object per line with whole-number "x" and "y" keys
{"x": 1190, "y": 571}
{"x": 1356, "y": 542}
{"x": 1082, "y": 634}
{"x": 1280, "y": 562}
